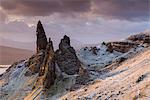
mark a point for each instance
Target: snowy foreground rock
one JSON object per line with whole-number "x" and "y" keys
{"x": 109, "y": 71}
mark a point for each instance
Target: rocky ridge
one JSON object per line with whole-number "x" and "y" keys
{"x": 48, "y": 67}
{"x": 45, "y": 61}
{"x": 50, "y": 74}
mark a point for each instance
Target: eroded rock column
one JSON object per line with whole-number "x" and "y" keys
{"x": 41, "y": 37}
{"x": 66, "y": 57}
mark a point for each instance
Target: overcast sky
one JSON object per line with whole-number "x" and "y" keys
{"x": 85, "y": 21}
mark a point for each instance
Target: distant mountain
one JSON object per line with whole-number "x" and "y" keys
{"x": 9, "y": 55}
{"x": 31, "y": 45}
{"x": 17, "y": 44}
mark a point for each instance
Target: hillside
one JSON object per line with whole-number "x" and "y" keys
{"x": 129, "y": 81}
{"x": 9, "y": 55}
{"x": 117, "y": 70}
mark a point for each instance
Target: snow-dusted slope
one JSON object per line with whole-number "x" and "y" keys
{"x": 131, "y": 80}
{"x": 100, "y": 59}
{"x": 13, "y": 84}
{"x": 103, "y": 58}
{"x": 132, "y": 83}
{"x": 111, "y": 75}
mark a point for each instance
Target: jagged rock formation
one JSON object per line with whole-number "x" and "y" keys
{"x": 43, "y": 63}
{"x": 41, "y": 37}
{"x": 140, "y": 38}
{"x": 120, "y": 46}
{"x": 45, "y": 60}
{"x": 132, "y": 42}
{"x": 66, "y": 57}
{"x": 50, "y": 74}
{"x": 48, "y": 69}
{"x": 35, "y": 62}
{"x": 109, "y": 48}
{"x": 129, "y": 81}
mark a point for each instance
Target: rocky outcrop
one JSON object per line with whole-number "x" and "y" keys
{"x": 49, "y": 64}
{"x": 120, "y": 46}
{"x": 43, "y": 61}
{"x": 41, "y": 37}
{"x": 48, "y": 69}
{"x": 109, "y": 48}
{"x": 83, "y": 77}
{"x": 44, "y": 64}
{"x": 140, "y": 38}
{"x": 94, "y": 50}
{"x": 131, "y": 42}
{"x": 35, "y": 62}
{"x": 66, "y": 57}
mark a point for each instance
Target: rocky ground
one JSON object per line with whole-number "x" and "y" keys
{"x": 114, "y": 70}
{"x": 129, "y": 81}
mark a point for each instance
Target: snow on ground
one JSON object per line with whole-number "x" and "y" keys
{"x": 58, "y": 89}
{"x": 3, "y": 68}
{"x": 100, "y": 60}
{"x": 14, "y": 85}
{"x": 118, "y": 83}
{"x": 131, "y": 82}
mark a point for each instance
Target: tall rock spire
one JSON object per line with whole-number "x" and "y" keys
{"x": 66, "y": 57}
{"x": 41, "y": 37}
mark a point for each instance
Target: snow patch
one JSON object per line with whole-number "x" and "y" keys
{"x": 100, "y": 60}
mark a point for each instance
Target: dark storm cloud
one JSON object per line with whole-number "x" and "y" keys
{"x": 45, "y": 7}
{"x": 111, "y": 9}
{"x": 123, "y": 9}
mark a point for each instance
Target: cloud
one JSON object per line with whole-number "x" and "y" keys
{"x": 110, "y": 9}
{"x": 18, "y": 31}
{"x": 93, "y": 31}
{"x": 44, "y": 7}
{"x": 3, "y": 16}
{"x": 123, "y": 9}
